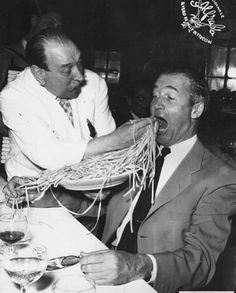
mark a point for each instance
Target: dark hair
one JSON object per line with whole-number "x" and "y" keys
{"x": 35, "y": 48}
{"x": 199, "y": 91}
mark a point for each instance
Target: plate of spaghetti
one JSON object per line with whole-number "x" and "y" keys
{"x": 96, "y": 183}
{"x": 136, "y": 164}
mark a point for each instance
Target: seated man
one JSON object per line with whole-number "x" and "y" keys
{"x": 47, "y": 109}
{"x": 176, "y": 241}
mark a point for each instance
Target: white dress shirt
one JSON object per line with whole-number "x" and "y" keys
{"x": 41, "y": 135}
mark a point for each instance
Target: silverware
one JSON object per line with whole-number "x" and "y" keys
{"x": 62, "y": 262}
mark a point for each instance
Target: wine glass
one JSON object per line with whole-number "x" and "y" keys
{"x": 74, "y": 284}
{"x": 25, "y": 263}
{"x": 13, "y": 227}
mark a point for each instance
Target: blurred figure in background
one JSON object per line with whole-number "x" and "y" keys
{"x": 140, "y": 102}
{"x": 12, "y": 57}
{"x": 134, "y": 104}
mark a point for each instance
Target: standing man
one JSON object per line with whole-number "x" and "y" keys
{"x": 177, "y": 242}
{"x": 12, "y": 57}
{"x": 34, "y": 105}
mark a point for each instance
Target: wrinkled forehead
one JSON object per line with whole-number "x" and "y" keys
{"x": 175, "y": 81}
{"x": 61, "y": 53}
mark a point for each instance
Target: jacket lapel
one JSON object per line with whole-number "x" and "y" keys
{"x": 181, "y": 178}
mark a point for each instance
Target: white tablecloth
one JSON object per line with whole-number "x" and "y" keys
{"x": 63, "y": 235}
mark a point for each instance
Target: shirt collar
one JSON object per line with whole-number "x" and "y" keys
{"x": 184, "y": 146}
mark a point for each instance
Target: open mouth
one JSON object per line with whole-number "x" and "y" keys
{"x": 162, "y": 123}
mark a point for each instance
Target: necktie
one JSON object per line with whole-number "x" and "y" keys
{"x": 128, "y": 241}
{"x": 65, "y": 104}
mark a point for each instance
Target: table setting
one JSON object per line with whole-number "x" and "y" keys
{"x": 47, "y": 256}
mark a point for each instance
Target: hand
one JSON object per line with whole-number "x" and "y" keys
{"x": 131, "y": 131}
{"x": 13, "y": 192}
{"x": 12, "y": 74}
{"x": 110, "y": 267}
{"x": 93, "y": 194}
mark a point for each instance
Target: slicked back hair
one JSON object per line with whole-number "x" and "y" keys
{"x": 35, "y": 48}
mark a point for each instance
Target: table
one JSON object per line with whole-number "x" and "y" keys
{"x": 62, "y": 234}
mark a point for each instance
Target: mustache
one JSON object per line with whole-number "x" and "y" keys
{"x": 81, "y": 84}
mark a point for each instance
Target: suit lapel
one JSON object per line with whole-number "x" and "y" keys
{"x": 181, "y": 178}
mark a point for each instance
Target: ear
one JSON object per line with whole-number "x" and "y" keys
{"x": 39, "y": 74}
{"x": 197, "y": 110}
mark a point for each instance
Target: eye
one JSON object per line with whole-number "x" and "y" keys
{"x": 156, "y": 95}
{"x": 169, "y": 97}
{"x": 68, "y": 71}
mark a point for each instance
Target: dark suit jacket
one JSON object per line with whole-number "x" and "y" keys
{"x": 187, "y": 227}
{"x": 11, "y": 57}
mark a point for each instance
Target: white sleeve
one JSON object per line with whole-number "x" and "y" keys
{"x": 103, "y": 120}
{"x": 36, "y": 139}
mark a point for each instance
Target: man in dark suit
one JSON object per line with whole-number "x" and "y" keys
{"x": 179, "y": 238}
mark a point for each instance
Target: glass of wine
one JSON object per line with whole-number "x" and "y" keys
{"x": 13, "y": 227}
{"x": 25, "y": 263}
{"x": 74, "y": 284}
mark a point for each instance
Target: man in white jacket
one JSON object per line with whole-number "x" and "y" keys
{"x": 41, "y": 135}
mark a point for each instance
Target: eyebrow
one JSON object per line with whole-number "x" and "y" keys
{"x": 69, "y": 64}
{"x": 66, "y": 65}
{"x": 168, "y": 86}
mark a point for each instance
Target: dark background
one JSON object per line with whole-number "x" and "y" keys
{"x": 146, "y": 32}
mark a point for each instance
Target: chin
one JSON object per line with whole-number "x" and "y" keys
{"x": 74, "y": 94}
{"x": 162, "y": 139}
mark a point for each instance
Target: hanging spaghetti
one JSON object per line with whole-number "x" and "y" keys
{"x": 137, "y": 162}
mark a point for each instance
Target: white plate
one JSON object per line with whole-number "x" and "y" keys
{"x": 93, "y": 184}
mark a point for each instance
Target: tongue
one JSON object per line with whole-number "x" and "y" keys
{"x": 162, "y": 123}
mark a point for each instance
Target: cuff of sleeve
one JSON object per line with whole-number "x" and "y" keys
{"x": 154, "y": 269}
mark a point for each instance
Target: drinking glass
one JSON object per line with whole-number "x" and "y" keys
{"x": 25, "y": 263}
{"x": 73, "y": 284}
{"x": 13, "y": 227}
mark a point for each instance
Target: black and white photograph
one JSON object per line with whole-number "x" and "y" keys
{"x": 117, "y": 146}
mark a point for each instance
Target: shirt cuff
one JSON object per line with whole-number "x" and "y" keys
{"x": 154, "y": 269}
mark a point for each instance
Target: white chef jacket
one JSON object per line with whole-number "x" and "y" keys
{"x": 41, "y": 135}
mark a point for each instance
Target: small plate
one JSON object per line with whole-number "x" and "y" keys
{"x": 96, "y": 183}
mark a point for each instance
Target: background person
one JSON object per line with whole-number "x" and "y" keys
{"x": 178, "y": 241}
{"x": 12, "y": 57}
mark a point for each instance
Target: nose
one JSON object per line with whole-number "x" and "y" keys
{"x": 78, "y": 73}
{"x": 158, "y": 103}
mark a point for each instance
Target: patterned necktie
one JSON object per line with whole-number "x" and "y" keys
{"x": 128, "y": 241}
{"x": 65, "y": 104}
